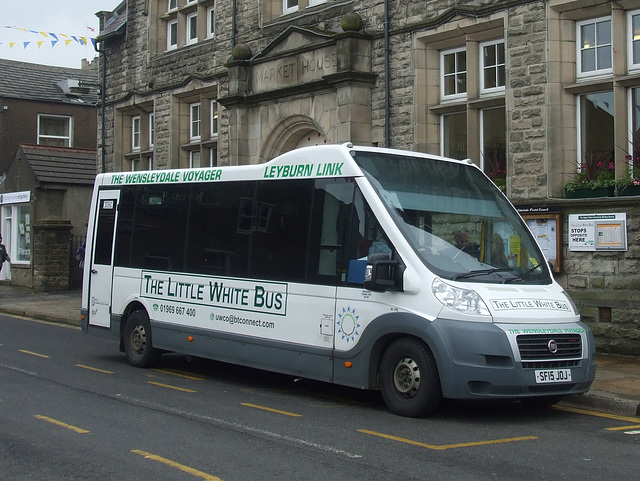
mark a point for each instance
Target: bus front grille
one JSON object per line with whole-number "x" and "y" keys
{"x": 549, "y": 347}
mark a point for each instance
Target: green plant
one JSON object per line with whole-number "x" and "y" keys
{"x": 631, "y": 177}
{"x": 501, "y": 184}
{"x": 631, "y": 174}
{"x": 596, "y": 170}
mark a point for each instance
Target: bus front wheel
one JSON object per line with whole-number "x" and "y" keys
{"x": 409, "y": 379}
{"x": 137, "y": 341}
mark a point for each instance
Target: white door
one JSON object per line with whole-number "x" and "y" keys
{"x": 101, "y": 281}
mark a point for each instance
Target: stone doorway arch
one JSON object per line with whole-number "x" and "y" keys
{"x": 293, "y": 132}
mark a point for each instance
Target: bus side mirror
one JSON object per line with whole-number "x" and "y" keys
{"x": 383, "y": 274}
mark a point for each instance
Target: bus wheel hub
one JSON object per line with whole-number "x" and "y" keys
{"x": 138, "y": 339}
{"x": 406, "y": 377}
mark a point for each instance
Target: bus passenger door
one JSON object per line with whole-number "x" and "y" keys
{"x": 101, "y": 271}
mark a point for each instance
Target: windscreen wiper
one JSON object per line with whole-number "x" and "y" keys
{"x": 481, "y": 272}
{"x": 523, "y": 276}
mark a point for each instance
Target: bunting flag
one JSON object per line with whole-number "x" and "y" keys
{"x": 51, "y": 38}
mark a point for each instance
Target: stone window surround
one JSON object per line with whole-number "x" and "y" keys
{"x": 130, "y": 156}
{"x": 481, "y": 132}
{"x": 213, "y": 157}
{"x": 181, "y": 130}
{"x": 192, "y": 157}
{"x": 172, "y": 34}
{"x": 135, "y": 133}
{"x": 162, "y": 17}
{"x": 482, "y": 67}
{"x": 293, "y": 6}
{"x": 143, "y": 162}
{"x": 455, "y": 74}
{"x": 484, "y": 137}
{"x": 273, "y": 10}
{"x": 152, "y": 129}
{"x": 211, "y": 21}
{"x": 430, "y": 107}
{"x": 565, "y": 88}
{"x": 579, "y": 67}
{"x": 289, "y": 6}
{"x": 498, "y": 65}
{"x": 587, "y": 124}
{"x": 213, "y": 118}
{"x": 195, "y": 121}
{"x": 191, "y": 28}
{"x": 447, "y": 121}
{"x": 630, "y": 40}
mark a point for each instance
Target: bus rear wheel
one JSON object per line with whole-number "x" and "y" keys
{"x": 409, "y": 379}
{"x": 137, "y": 341}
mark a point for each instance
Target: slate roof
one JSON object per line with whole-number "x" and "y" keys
{"x": 30, "y": 81}
{"x": 115, "y": 24}
{"x": 61, "y": 165}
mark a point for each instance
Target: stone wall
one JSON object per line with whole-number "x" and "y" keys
{"x": 606, "y": 285}
{"x": 138, "y": 71}
{"x": 50, "y": 256}
{"x": 526, "y": 101}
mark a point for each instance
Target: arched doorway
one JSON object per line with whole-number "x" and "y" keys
{"x": 293, "y": 132}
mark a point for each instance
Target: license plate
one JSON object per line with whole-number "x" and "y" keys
{"x": 553, "y": 375}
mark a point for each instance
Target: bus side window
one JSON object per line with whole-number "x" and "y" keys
{"x": 159, "y": 230}
{"x": 343, "y": 232}
{"x": 124, "y": 229}
{"x": 217, "y": 241}
{"x": 330, "y": 230}
{"x": 370, "y": 239}
{"x": 104, "y": 233}
{"x": 280, "y": 237}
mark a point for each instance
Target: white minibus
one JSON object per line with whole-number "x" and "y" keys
{"x": 367, "y": 267}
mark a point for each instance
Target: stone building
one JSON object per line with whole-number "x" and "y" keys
{"x": 47, "y": 168}
{"x": 537, "y": 93}
{"x": 44, "y": 198}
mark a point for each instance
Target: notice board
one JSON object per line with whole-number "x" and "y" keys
{"x": 598, "y": 232}
{"x": 547, "y": 231}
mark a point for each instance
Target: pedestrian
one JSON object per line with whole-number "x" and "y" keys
{"x": 81, "y": 252}
{"x": 4, "y": 255}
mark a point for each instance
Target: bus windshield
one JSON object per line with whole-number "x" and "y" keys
{"x": 455, "y": 219}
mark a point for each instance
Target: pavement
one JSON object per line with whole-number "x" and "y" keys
{"x": 616, "y": 389}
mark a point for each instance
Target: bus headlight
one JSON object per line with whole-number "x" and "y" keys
{"x": 458, "y": 299}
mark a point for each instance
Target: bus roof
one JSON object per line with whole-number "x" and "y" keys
{"x": 308, "y": 162}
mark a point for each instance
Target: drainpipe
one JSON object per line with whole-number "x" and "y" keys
{"x": 233, "y": 26}
{"x": 387, "y": 88}
{"x": 103, "y": 96}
